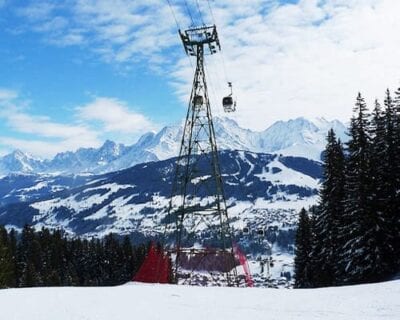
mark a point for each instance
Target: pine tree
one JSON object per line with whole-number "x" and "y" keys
{"x": 380, "y": 177}
{"x": 394, "y": 213}
{"x": 127, "y": 259}
{"x": 325, "y": 253}
{"x": 6, "y": 262}
{"x": 25, "y": 268}
{"x": 302, "y": 265}
{"x": 359, "y": 258}
{"x": 14, "y": 257}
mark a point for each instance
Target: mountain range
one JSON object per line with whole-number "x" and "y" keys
{"x": 299, "y": 137}
{"x": 262, "y": 190}
{"x": 268, "y": 177}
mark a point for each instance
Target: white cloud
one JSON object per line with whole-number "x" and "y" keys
{"x": 37, "y": 10}
{"x": 115, "y": 116}
{"x": 7, "y": 95}
{"x": 42, "y": 136}
{"x": 308, "y": 58}
{"x": 305, "y": 59}
{"x": 47, "y": 149}
{"x": 122, "y": 30}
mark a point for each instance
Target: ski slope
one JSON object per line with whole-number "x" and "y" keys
{"x": 141, "y": 301}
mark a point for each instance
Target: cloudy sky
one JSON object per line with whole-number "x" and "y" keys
{"x": 76, "y": 72}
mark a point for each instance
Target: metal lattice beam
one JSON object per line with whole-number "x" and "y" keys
{"x": 198, "y": 212}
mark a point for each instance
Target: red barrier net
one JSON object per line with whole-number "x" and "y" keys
{"x": 156, "y": 267}
{"x": 243, "y": 262}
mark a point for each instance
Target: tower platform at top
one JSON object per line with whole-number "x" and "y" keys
{"x": 200, "y": 36}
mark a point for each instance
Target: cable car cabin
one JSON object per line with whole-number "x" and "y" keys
{"x": 246, "y": 231}
{"x": 228, "y": 104}
{"x": 260, "y": 232}
{"x": 197, "y": 101}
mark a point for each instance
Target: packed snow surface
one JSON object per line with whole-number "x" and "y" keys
{"x": 140, "y": 301}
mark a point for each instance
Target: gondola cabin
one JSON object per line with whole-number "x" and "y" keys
{"x": 198, "y": 101}
{"x": 228, "y": 104}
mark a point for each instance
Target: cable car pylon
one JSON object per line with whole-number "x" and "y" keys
{"x": 200, "y": 241}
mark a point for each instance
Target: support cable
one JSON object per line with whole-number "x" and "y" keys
{"x": 212, "y": 15}
{"x": 179, "y": 27}
{"x": 200, "y": 14}
{"x": 222, "y": 53}
{"x": 173, "y": 14}
{"x": 189, "y": 12}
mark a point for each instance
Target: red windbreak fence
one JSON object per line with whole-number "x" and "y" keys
{"x": 156, "y": 267}
{"x": 243, "y": 262}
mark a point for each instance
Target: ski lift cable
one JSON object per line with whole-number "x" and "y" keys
{"x": 212, "y": 64}
{"x": 221, "y": 51}
{"x": 179, "y": 27}
{"x": 212, "y": 15}
{"x": 210, "y": 82}
{"x": 212, "y": 67}
{"x": 189, "y": 12}
{"x": 215, "y": 74}
{"x": 173, "y": 14}
{"x": 200, "y": 13}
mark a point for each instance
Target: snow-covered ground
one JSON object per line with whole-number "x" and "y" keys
{"x": 140, "y": 301}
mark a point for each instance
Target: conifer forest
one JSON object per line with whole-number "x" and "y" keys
{"x": 353, "y": 235}
{"x": 50, "y": 258}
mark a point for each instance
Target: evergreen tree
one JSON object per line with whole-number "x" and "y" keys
{"x": 359, "y": 258}
{"x": 302, "y": 265}
{"x": 394, "y": 215}
{"x": 6, "y": 262}
{"x": 384, "y": 172}
{"x": 128, "y": 259}
{"x": 13, "y": 250}
{"x": 394, "y": 212}
{"x": 376, "y": 225}
{"x": 26, "y": 268}
{"x": 325, "y": 253}
{"x": 49, "y": 258}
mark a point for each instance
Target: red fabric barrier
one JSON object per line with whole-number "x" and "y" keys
{"x": 155, "y": 268}
{"x": 243, "y": 262}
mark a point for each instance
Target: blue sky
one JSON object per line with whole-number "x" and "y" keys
{"x": 76, "y": 72}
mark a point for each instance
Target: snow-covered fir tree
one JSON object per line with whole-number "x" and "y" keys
{"x": 325, "y": 252}
{"x": 379, "y": 164}
{"x": 394, "y": 215}
{"x": 355, "y": 260}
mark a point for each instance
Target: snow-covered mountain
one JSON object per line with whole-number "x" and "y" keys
{"x": 298, "y": 137}
{"x": 263, "y": 191}
{"x": 18, "y": 161}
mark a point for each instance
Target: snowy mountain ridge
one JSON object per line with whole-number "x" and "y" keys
{"x": 261, "y": 190}
{"x": 298, "y": 137}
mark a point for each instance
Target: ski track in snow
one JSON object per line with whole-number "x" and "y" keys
{"x": 46, "y": 207}
{"x": 286, "y": 176}
{"x": 146, "y": 301}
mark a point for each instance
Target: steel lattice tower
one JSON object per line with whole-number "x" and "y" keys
{"x": 202, "y": 240}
